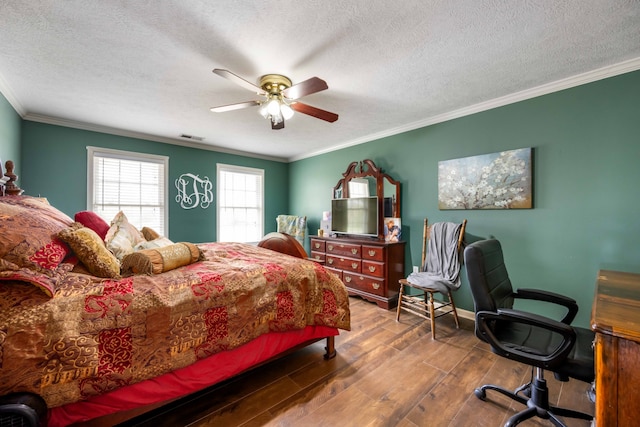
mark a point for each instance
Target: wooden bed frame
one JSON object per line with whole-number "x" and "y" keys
{"x": 28, "y": 409}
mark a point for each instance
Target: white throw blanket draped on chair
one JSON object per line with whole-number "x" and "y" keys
{"x": 441, "y": 269}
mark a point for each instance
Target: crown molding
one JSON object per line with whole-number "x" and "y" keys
{"x": 139, "y": 135}
{"x": 567, "y": 83}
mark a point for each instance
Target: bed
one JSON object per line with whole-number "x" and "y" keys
{"x": 75, "y": 346}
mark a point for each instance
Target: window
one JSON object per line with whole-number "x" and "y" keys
{"x": 134, "y": 183}
{"x": 240, "y": 204}
{"x": 359, "y": 187}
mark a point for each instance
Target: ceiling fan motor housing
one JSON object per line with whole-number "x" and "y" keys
{"x": 274, "y": 83}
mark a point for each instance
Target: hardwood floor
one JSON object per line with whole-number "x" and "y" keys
{"x": 386, "y": 373}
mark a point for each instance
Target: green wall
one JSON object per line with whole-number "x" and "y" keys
{"x": 586, "y": 171}
{"x": 9, "y": 134}
{"x": 54, "y": 165}
{"x": 586, "y": 154}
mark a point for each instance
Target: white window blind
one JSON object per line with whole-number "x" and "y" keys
{"x": 359, "y": 187}
{"x": 134, "y": 183}
{"x": 240, "y": 204}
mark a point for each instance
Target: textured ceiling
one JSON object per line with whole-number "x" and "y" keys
{"x": 143, "y": 68}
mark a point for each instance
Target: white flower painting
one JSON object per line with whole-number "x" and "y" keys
{"x": 490, "y": 181}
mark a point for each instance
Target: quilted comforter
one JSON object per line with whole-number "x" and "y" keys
{"x": 97, "y": 335}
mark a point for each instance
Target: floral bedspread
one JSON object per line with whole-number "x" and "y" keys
{"x": 96, "y": 335}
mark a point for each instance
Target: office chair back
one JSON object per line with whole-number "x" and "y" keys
{"x": 492, "y": 287}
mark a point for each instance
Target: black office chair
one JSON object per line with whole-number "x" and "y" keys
{"x": 538, "y": 341}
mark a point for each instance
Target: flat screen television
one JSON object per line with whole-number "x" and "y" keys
{"x": 355, "y": 215}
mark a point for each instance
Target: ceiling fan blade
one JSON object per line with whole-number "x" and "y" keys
{"x": 277, "y": 126}
{"x": 238, "y": 80}
{"x": 313, "y": 111}
{"x": 307, "y": 87}
{"x": 231, "y": 107}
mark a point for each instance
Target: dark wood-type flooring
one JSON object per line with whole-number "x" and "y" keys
{"x": 386, "y": 373}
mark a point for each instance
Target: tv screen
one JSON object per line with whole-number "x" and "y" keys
{"x": 355, "y": 215}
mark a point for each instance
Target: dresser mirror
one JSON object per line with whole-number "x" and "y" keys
{"x": 365, "y": 179}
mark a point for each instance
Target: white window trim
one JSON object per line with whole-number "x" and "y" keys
{"x": 128, "y": 155}
{"x": 240, "y": 169}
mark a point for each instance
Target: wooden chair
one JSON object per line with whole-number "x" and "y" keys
{"x": 424, "y": 304}
{"x": 293, "y": 225}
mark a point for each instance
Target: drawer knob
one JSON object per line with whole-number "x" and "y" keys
{"x": 354, "y": 265}
{"x": 347, "y": 279}
{"x": 354, "y": 251}
{"x": 376, "y": 285}
{"x": 330, "y": 260}
{"x": 372, "y": 268}
{"x": 330, "y": 247}
{"x": 317, "y": 245}
{"x": 372, "y": 252}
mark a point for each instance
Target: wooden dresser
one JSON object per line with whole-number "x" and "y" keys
{"x": 369, "y": 268}
{"x": 615, "y": 318}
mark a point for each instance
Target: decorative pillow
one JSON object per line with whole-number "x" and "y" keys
{"x": 155, "y": 261}
{"x": 122, "y": 236}
{"x": 91, "y": 251}
{"x": 160, "y": 242}
{"x": 29, "y": 249}
{"x": 93, "y": 221}
{"x": 150, "y": 233}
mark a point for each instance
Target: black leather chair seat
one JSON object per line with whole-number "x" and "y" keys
{"x": 578, "y": 363}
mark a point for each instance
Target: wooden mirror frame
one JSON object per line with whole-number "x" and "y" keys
{"x": 364, "y": 169}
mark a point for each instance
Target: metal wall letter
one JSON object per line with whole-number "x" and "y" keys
{"x": 194, "y": 191}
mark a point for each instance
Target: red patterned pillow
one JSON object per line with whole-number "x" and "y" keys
{"x": 29, "y": 248}
{"x": 93, "y": 221}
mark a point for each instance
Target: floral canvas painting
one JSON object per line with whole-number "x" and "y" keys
{"x": 490, "y": 181}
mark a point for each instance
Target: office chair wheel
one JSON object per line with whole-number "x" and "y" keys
{"x": 480, "y": 393}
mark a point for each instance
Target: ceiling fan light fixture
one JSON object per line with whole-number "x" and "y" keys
{"x": 276, "y": 118}
{"x": 273, "y": 106}
{"x": 287, "y": 112}
{"x": 263, "y": 110}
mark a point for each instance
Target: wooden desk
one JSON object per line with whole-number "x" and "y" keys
{"x": 615, "y": 317}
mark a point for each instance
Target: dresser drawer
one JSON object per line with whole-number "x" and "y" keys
{"x": 334, "y": 271}
{"x": 317, "y": 245}
{"x": 318, "y": 256}
{"x": 343, "y": 263}
{"x": 364, "y": 283}
{"x": 373, "y": 268}
{"x": 373, "y": 252}
{"x": 348, "y": 249}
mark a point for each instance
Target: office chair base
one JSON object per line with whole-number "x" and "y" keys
{"x": 537, "y": 404}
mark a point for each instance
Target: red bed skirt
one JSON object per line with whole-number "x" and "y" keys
{"x": 181, "y": 382}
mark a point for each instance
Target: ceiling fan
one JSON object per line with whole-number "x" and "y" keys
{"x": 280, "y": 97}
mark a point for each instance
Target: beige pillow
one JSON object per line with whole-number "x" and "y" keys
{"x": 91, "y": 251}
{"x": 159, "y": 260}
{"x": 160, "y": 242}
{"x": 122, "y": 236}
{"x": 149, "y": 233}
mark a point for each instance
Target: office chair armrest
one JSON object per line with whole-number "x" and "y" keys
{"x": 551, "y": 297}
{"x": 486, "y": 322}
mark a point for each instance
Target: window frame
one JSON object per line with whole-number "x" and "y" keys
{"x": 132, "y": 156}
{"x": 222, "y": 167}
